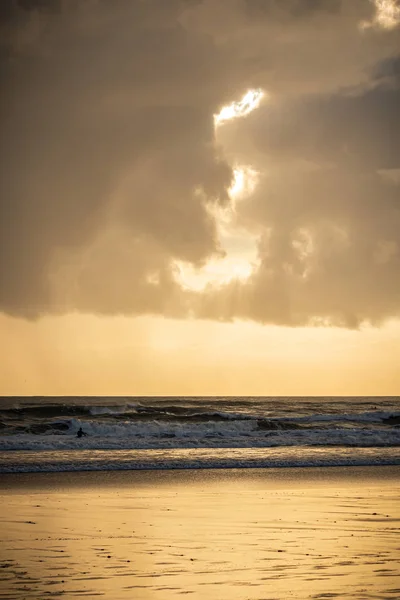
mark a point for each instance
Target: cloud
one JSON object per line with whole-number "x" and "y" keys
{"x": 111, "y": 166}
{"x": 326, "y": 212}
{"x": 102, "y": 127}
{"x": 387, "y": 15}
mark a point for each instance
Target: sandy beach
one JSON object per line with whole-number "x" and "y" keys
{"x": 234, "y": 534}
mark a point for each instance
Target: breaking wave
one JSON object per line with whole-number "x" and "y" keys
{"x": 213, "y": 425}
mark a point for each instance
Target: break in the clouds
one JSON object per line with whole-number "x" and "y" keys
{"x": 222, "y": 159}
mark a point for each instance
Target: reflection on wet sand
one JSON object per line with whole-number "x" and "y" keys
{"x": 270, "y": 534}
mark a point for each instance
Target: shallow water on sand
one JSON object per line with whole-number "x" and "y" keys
{"x": 255, "y": 535}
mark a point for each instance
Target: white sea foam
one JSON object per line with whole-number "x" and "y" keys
{"x": 235, "y": 434}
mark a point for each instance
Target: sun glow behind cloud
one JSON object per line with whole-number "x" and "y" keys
{"x": 240, "y": 249}
{"x": 216, "y": 272}
{"x": 250, "y": 101}
{"x": 387, "y": 15}
{"x": 240, "y": 252}
{"x": 244, "y": 182}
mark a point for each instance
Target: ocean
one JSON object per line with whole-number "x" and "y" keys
{"x": 39, "y": 434}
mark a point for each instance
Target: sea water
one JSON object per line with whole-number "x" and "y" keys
{"x": 40, "y": 433}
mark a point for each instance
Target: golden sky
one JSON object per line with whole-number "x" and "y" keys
{"x": 200, "y": 197}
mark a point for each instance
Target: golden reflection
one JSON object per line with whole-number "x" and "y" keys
{"x": 285, "y": 533}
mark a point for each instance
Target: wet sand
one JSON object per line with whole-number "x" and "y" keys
{"x": 234, "y": 535}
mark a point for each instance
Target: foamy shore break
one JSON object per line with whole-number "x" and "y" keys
{"x": 215, "y": 534}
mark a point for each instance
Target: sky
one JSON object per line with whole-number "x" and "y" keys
{"x": 200, "y": 197}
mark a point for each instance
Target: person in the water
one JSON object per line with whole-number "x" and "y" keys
{"x": 80, "y": 432}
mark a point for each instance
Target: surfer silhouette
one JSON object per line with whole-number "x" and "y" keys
{"x": 80, "y": 432}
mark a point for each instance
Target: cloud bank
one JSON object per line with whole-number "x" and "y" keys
{"x": 114, "y": 171}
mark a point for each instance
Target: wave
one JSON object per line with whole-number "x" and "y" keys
{"x": 173, "y": 423}
{"x": 131, "y": 411}
{"x": 127, "y": 424}
{"x": 191, "y": 411}
{"x": 40, "y": 434}
{"x": 44, "y": 411}
{"x": 212, "y": 434}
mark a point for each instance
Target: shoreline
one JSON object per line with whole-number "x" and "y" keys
{"x": 170, "y": 459}
{"x": 281, "y": 474}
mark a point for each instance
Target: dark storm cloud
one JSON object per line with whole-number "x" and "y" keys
{"x": 358, "y": 129}
{"x": 388, "y": 72}
{"x": 109, "y": 158}
{"x": 290, "y": 8}
{"x": 97, "y": 96}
